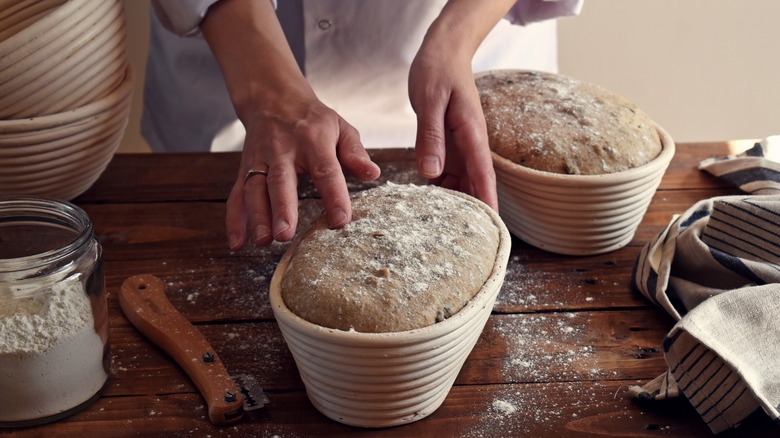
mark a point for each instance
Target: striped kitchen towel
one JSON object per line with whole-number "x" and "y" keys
{"x": 716, "y": 269}
{"x": 755, "y": 171}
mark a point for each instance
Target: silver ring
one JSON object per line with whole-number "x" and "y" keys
{"x": 252, "y": 172}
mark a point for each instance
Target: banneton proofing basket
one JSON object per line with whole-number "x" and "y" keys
{"x": 70, "y": 54}
{"x": 386, "y": 379}
{"x": 578, "y": 214}
{"x": 61, "y": 155}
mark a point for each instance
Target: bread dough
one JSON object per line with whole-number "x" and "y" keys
{"x": 557, "y": 124}
{"x": 412, "y": 256}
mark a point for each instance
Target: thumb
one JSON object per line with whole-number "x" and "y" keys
{"x": 430, "y": 140}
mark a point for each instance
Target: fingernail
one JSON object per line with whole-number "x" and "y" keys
{"x": 261, "y": 232}
{"x": 431, "y": 166}
{"x": 339, "y": 218}
{"x": 373, "y": 171}
{"x": 280, "y": 227}
{"x": 234, "y": 241}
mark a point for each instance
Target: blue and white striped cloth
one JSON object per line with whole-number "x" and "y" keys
{"x": 716, "y": 269}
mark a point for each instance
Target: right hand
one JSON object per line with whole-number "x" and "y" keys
{"x": 288, "y": 130}
{"x": 297, "y": 136}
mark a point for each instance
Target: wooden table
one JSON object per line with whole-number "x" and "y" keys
{"x": 568, "y": 335}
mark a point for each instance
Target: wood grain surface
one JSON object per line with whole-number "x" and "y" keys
{"x": 568, "y": 335}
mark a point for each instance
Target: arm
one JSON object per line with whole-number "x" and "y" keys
{"x": 451, "y": 146}
{"x": 527, "y": 12}
{"x": 289, "y": 131}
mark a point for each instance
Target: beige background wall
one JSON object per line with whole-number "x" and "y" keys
{"x": 703, "y": 69}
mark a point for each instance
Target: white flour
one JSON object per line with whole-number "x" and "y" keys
{"x": 50, "y": 355}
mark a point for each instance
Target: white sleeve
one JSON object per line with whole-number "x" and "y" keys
{"x": 528, "y": 11}
{"x": 182, "y": 17}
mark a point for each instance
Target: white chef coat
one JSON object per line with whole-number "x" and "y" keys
{"x": 355, "y": 54}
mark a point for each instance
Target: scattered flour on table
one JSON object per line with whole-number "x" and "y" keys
{"x": 240, "y": 432}
{"x": 48, "y": 345}
{"x": 504, "y": 407}
{"x": 548, "y": 347}
{"x": 526, "y": 287}
{"x": 234, "y": 288}
{"x": 532, "y": 411}
{"x": 234, "y": 291}
{"x": 549, "y": 351}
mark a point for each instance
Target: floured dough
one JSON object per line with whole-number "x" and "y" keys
{"x": 412, "y": 256}
{"x": 557, "y": 124}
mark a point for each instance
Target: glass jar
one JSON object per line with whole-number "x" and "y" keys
{"x": 54, "y": 354}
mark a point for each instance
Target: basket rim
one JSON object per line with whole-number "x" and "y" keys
{"x": 486, "y": 295}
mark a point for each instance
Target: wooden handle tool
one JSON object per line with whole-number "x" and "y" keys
{"x": 143, "y": 300}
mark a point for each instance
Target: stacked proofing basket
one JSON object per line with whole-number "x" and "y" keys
{"x": 65, "y": 94}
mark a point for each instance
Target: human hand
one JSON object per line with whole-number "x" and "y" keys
{"x": 452, "y": 144}
{"x": 300, "y": 136}
{"x": 288, "y": 130}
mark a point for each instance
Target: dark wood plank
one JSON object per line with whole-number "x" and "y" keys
{"x": 538, "y": 281}
{"x": 210, "y": 290}
{"x": 235, "y": 287}
{"x": 542, "y": 347}
{"x": 534, "y": 410}
{"x": 204, "y": 176}
{"x": 684, "y": 170}
{"x": 209, "y": 176}
{"x": 165, "y": 177}
{"x": 567, "y": 337}
{"x": 133, "y": 231}
{"x": 172, "y": 230}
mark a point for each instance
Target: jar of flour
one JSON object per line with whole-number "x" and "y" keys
{"x": 54, "y": 356}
